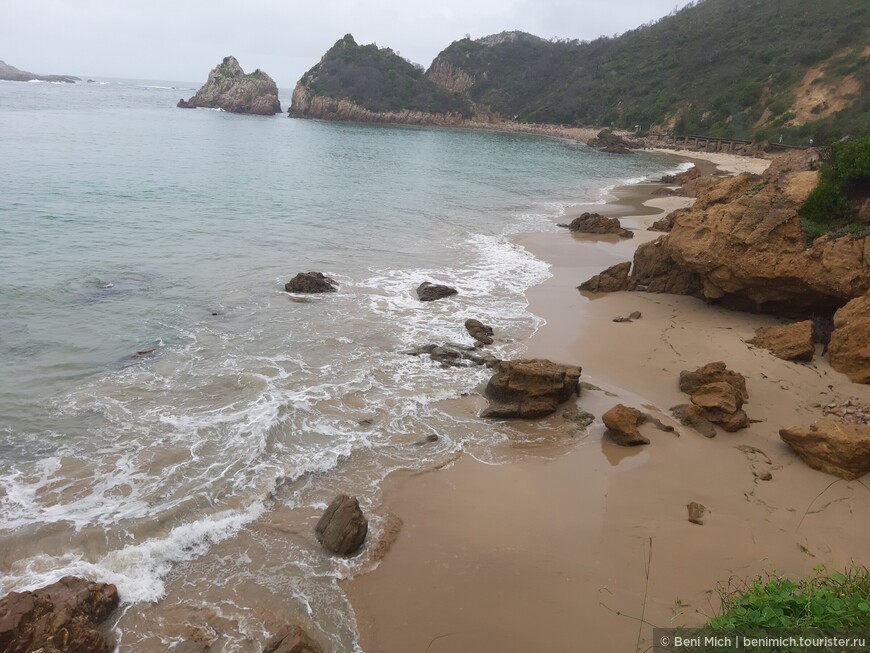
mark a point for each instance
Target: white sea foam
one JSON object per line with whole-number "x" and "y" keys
{"x": 138, "y": 570}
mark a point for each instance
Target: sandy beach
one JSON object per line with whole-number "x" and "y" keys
{"x": 571, "y": 542}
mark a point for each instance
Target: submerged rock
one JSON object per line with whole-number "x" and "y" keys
{"x": 429, "y": 292}
{"x": 479, "y": 331}
{"x": 63, "y": 617}
{"x": 835, "y": 447}
{"x": 791, "y": 342}
{"x": 530, "y": 388}
{"x": 230, "y": 89}
{"x": 342, "y": 529}
{"x": 311, "y": 282}
{"x": 454, "y": 355}
{"x": 292, "y": 639}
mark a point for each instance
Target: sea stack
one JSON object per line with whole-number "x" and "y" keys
{"x": 230, "y": 89}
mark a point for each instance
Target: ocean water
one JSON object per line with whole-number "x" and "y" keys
{"x": 191, "y": 474}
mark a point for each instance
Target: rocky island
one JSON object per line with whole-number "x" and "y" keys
{"x": 13, "y": 74}
{"x": 230, "y": 89}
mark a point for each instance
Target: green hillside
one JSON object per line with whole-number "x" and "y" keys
{"x": 739, "y": 68}
{"x": 379, "y": 80}
{"x": 752, "y": 69}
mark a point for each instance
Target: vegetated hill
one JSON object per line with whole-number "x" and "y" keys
{"x": 378, "y": 80}
{"x": 738, "y": 68}
{"x": 731, "y": 68}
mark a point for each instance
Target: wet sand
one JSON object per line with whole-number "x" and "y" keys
{"x": 566, "y": 546}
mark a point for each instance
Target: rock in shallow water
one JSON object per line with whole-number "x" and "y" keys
{"x": 479, "y": 331}
{"x": 61, "y": 618}
{"x": 342, "y": 529}
{"x": 530, "y": 388}
{"x": 311, "y": 282}
{"x": 429, "y": 292}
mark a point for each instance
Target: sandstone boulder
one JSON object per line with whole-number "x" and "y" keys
{"x": 613, "y": 279}
{"x": 697, "y": 512}
{"x": 656, "y": 271}
{"x": 311, "y": 282}
{"x": 230, "y": 89}
{"x": 791, "y": 342}
{"x": 849, "y": 349}
{"x": 530, "y": 388}
{"x": 835, "y": 447}
{"x": 622, "y": 422}
{"x": 429, "y": 292}
{"x": 595, "y": 223}
{"x": 743, "y": 242}
{"x": 63, "y": 617}
{"x": 695, "y": 418}
{"x": 719, "y": 394}
{"x": 342, "y": 529}
{"x": 691, "y": 380}
{"x": 479, "y": 331}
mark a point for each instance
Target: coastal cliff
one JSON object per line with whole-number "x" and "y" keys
{"x": 13, "y": 74}
{"x": 364, "y": 83}
{"x": 230, "y": 89}
{"x": 742, "y": 245}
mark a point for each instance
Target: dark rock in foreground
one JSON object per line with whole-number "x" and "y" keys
{"x": 311, "y": 282}
{"x": 63, "y": 617}
{"x": 230, "y": 89}
{"x": 530, "y": 388}
{"x": 835, "y": 447}
{"x": 479, "y": 331}
{"x": 342, "y": 529}
{"x": 849, "y": 349}
{"x": 595, "y": 223}
{"x": 429, "y": 292}
{"x": 454, "y": 355}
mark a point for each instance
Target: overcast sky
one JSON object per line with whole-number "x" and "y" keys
{"x": 181, "y": 40}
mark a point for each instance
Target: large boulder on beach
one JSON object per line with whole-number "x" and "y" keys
{"x": 613, "y": 279}
{"x": 530, "y": 388}
{"x": 832, "y": 446}
{"x": 791, "y": 342}
{"x": 718, "y": 395}
{"x": 311, "y": 282}
{"x": 612, "y": 143}
{"x": 63, "y": 617}
{"x": 230, "y": 89}
{"x": 342, "y": 529}
{"x": 595, "y": 223}
{"x": 849, "y": 348}
{"x": 429, "y": 292}
{"x": 622, "y": 422}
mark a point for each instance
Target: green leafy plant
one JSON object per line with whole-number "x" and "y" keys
{"x": 839, "y": 600}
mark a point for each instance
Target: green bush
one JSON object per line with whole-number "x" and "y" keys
{"x": 835, "y": 601}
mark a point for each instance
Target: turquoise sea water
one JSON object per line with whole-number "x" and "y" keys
{"x": 127, "y": 225}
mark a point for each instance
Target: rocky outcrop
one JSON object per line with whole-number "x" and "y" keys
{"x": 612, "y": 143}
{"x": 613, "y": 279}
{"x": 12, "y": 74}
{"x": 595, "y": 223}
{"x": 832, "y": 446}
{"x": 479, "y": 331}
{"x": 449, "y": 77}
{"x": 741, "y": 244}
{"x": 311, "y": 282}
{"x": 791, "y": 342}
{"x": 718, "y": 394}
{"x": 292, "y": 639}
{"x": 849, "y": 349}
{"x": 61, "y": 618}
{"x": 429, "y": 292}
{"x": 342, "y": 529}
{"x": 530, "y": 388}
{"x": 230, "y": 89}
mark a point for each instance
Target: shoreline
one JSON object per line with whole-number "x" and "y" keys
{"x": 558, "y": 562}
